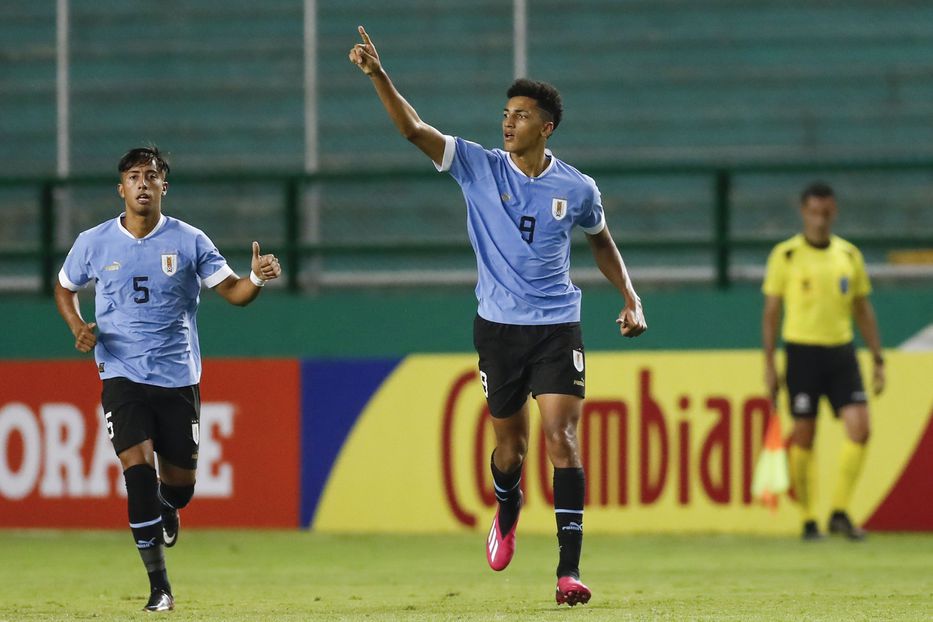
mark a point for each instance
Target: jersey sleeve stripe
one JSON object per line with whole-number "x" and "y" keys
{"x": 597, "y": 227}
{"x": 222, "y": 273}
{"x": 66, "y": 282}
{"x": 450, "y": 148}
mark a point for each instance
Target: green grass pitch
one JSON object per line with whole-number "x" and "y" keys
{"x": 294, "y": 575}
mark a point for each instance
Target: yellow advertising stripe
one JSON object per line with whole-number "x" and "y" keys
{"x": 670, "y": 441}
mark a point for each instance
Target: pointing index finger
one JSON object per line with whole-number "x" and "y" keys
{"x": 365, "y": 36}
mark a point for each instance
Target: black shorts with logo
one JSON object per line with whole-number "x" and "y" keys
{"x": 170, "y": 417}
{"x": 813, "y": 371}
{"x": 515, "y": 360}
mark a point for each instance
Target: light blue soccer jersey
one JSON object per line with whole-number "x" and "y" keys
{"x": 520, "y": 228}
{"x": 147, "y": 297}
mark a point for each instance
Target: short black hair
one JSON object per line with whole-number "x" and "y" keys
{"x": 818, "y": 189}
{"x": 546, "y": 95}
{"x": 144, "y": 155}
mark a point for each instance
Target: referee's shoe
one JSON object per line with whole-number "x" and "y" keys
{"x": 840, "y": 523}
{"x": 171, "y": 523}
{"x": 811, "y": 533}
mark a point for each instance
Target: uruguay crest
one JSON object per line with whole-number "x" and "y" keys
{"x": 169, "y": 263}
{"x": 578, "y": 360}
{"x": 558, "y": 208}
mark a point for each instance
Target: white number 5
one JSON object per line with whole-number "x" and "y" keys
{"x": 109, "y": 425}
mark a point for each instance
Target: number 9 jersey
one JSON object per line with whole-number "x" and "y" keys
{"x": 147, "y": 295}
{"x": 520, "y": 228}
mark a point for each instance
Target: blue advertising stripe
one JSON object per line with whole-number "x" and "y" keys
{"x": 333, "y": 396}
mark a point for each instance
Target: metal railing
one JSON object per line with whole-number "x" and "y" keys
{"x": 721, "y": 241}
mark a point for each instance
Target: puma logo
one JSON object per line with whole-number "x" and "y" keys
{"x": 145, "y": 544}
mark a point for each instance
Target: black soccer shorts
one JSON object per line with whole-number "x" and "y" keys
{"x": 813, "y": 371}
{"x": 170, "y": 417}
{"x": 516, "y": 360}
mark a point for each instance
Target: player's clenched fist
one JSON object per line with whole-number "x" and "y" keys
{"x": 631, "y": 321}
{"x": 85, "y": 339}
{"x": 364, "y": 54}
{"x": 266, "y": 267}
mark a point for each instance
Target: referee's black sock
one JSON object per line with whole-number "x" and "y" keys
{"x": 142, "y": 499}
{"x": 508, "y": 493}
{"x": 569, "y": 491}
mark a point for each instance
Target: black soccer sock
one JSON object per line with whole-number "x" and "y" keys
{"x": 175, "y": 497}
{"x": 569, "y": 490}
{"x": 142, "y": 500}
{"x": 508, "y": 493}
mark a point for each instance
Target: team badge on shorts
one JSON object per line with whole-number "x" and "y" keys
{"x": 558, "y": 208}
{"x": 578, "y": 360}
{"x": 801, "y": 403}
{"x": 169, "y": 263}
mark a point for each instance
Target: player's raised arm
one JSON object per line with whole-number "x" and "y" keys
{"x": 406, "y": 119}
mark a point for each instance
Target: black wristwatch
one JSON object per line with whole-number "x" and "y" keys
{"x": 879, "y": 360}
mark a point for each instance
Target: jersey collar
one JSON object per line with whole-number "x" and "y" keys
{"x": 148, "y": 235}
{"x": 547, "y": 169}
{"x": 816, "y": 247}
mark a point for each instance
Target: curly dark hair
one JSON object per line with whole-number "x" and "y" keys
{"x": 144, "y": 155}
{"x": 546, "y": 95}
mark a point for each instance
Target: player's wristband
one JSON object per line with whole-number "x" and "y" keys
{"x": 258, "y": 282}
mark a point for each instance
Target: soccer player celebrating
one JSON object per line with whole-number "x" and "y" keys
{"x": 148, "y": 269}
{"x": 820, "y": 281}
{"x": 522, "y": 203}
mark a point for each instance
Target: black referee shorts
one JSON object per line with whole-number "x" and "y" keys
{"x": 814, "y": 371}
{"x": 170, "y": 417}
{"x": 516, "y": 360}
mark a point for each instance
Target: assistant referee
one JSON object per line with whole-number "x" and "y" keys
{"x": 820, "y": 281}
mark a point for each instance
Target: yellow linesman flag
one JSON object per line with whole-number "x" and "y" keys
{"x": 771, "y": 475}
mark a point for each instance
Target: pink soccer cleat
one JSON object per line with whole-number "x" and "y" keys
{"x": 571, "y": 591}
{"x": 499, "y": 548}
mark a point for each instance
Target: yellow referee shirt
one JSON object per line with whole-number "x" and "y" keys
{"x": 818, "y": 286}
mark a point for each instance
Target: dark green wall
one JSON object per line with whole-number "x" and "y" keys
{"x": 390, "y": 323}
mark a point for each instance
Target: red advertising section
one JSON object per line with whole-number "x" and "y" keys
{"x": 58, "y": 469}
{"x": 907, "y": 507}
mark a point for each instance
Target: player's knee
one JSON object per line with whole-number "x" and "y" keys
{"x": 860, "y": 436}
{"x": 803, "y": 434}
{"x": 562, "y": 439}
{"x": 509, "y": 455}
{"x": 518, "y": 448}
{"x": 176, "y": 496}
